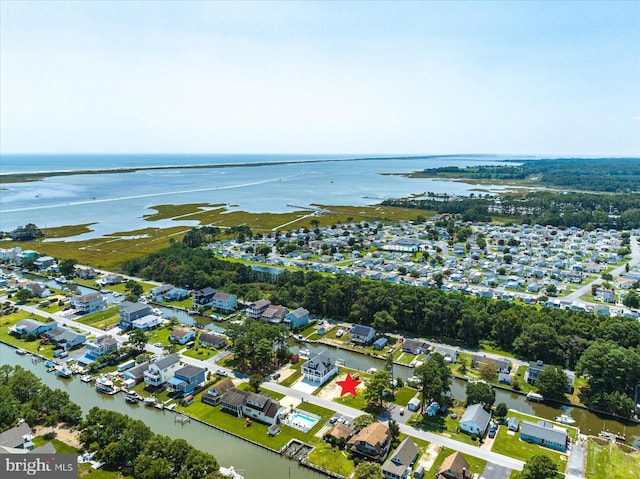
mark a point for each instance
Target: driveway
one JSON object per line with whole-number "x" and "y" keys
{"x": 494, "y": 471}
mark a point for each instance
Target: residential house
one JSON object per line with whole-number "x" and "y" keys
{"x": 536, "y": 367}
{"x": 131, "y": 311}
{"x": 136, "y": 373}
{"x": 157, "y": 293}
{"x": 85, "y": 272}
{"x": 147, "y": 323}
{"x": 415, "y": 346}
{"x": 475, "y": 420}
{"x": 31, "y": 326}
{"x": 65, "y": 338}
{"x": 341, "y": 431}
{"x": 275, "y": 314}
{"x": 513, "y": 423}
{"x": 380, "y": 343}
{"x": 372, "y": 442}
{"x": 18, "y": 437}
{"x": 544, "y": 434}
{"x": 449, "y": 354}
{"x": 187, "y": 379}
{"x": 176, "y": 294}
{"x": 215, "y": 393}
{"x": 204, "y": 297}
{"x": 88, "y": 303}
{"x": 297, "y": 318}
{"x": 44, "y": 262}
{"x": 400, "y": 463}
{"x": 212, "y": 340}
{"x": 454, "y": 466}
{"x": 505, "y": 378}
{"x": 252, "y": 405}
{"x": 501, "y": 365}
{"x": 182, "y": 336}
{"x": 110, "y": 279}
{"x": 225, "y": 302}
{"x": 319, "y": 369}
{"x": 39, "y": 290}
{"x": 98, "y": 347}
{"x": 362, "y": 335}
{"x": 256, "y": 309}
{"x": 159, "y": 372}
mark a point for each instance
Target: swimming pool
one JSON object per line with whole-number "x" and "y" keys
{"x": 302, "y": 421}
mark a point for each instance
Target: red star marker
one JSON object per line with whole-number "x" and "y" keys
{"x": 348, "y": 386}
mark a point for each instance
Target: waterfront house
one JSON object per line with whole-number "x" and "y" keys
{"x": 544, "y": 434}
{"x": 380, "y": 343}
{"x": 212, "y": 340}
{"x": 536, "y": 367}
{"x": 182, "y": 336}
{"x": 448, "y": 353}
{"x": 44, "y": 262}
{"x": 98, "y": 347}
{"x": 39, "y": 290}
{"x": 187, "y": 379}
{"x": 157, "y": 293}
{"x": 500, "y": 365}
{"x": 159, "y": 372}
{"x": 252, "y": 405}
{"x": 319, "y": 369}
{"x": 204, "y": 297}
{"x": 454, "y": 466}
{"x": 85, "y": 272}
{"x": 215, "y": 393}
{"x": 475, "y": 420}
{"x": 135, "y": 375}
{"x": 31, "y": 326}
{"x": 275, "y": 314}
{"x": 65, "y": 338}
{"x": 341, "y": 431}
{"x": 505, "y": 378}
{"x": 372, "y": 442}
{"x": 256, "y": 309}
{"x": 129, "y": 312}
{"x": 88, "y": 303}
{"x": 176, "y": 294}
{"x": 18, "y": 437}
{"x": 225, "y": 302}
{"x": 362, "y": 335}
{"x": 110, "y": 279}
{"x": 415, "y": 346}
{"x": 400, "y": 463}
{"x": 297, "y": 318}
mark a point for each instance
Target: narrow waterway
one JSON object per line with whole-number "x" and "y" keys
{"x": 587, "y": 421}
{"x": 251, "y": 461}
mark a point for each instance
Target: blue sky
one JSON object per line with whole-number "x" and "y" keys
{"x": 545, "y": 78}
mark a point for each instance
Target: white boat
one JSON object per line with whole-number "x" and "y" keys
{"x": 21, "y": 352}
{"x": 531, "y": 396}
{"x": 105, "y": 385}
{"x": 229, "y": 472}
{"x": 132, "y": 397}
{"x": 63, "y": 371}
{"x": 150, "y": 401}
{"x": 86, "y": 378}
{"x": 564, "y": 419}
{"x": 61, "y": 280}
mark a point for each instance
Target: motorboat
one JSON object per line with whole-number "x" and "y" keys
{"x": 132, "y": 397}
{"x": 564, "y": 419}
{"x": 105, "y": 385}
{"x": 63, "y": 371}
{"x": 229, "y": 472}
{"x": 150, "y": 401}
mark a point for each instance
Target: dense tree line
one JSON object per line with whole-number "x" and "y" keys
{"x": 582, "y": 210}
{"x": 620, "y": 175}
{"x": 120, "y": 441}
{"x": 22, "y": 395}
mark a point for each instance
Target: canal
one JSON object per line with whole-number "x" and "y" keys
{"x": 249, "y": 460}
{"x": 589, "y": 422}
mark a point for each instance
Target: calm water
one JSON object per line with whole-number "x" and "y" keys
{"x": 116, "y": 202}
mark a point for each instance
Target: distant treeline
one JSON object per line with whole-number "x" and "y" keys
{"x": 583, "y": 210}
{"x": 554, "y": 336}
{"x": 619, "y": 175}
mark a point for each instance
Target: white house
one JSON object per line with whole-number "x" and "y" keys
{"x": 319, "y": 369}
{"x": 88, "y": 303}
{"x": 362, "y": 335}
{"x": 475, "y": 420}
{"x": 224, "y": 302}
{"x": 161, "y": 371}
{"x": 256, "y": 309}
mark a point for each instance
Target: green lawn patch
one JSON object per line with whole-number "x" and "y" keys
{"x": 403, "y": 394}
{"x": 200, "y": 353}
{"x": 101, "y": 319}
{"x": 606, "y": 460}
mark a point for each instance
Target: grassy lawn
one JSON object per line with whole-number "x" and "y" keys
{"x": 488, "y": 347}
{"x": 160, "y": 335}
{"x": 606, "y": 460}
{"x": 475, "y": 465}
{"x": 444, "y": 425}
{"x": 101, "y": 319}
{"x": 31, "y": 346}
{"x": 403, "y": 394}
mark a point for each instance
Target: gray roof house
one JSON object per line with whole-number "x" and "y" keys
{"x": 544, "y": 434}
{"x": 18, "y": 437}
{"x": 319, "y": 369}
{"x": 475, "y": 420}
{"x": 362, "y": 335}
{"x": 399, "y": 465}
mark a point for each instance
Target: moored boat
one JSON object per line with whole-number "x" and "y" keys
{"x": 86, "y": 378}
{"x": 63, "y": 372}
{"x": 105, "y": 385}
{"x": 150, "y": 401}
{"x": 564, "y": 419}
{"x": 229, "y": 472}
{"x": 132, "y": 397}
{"x": 21, "y": 352}
{"x": 531, "y": 396}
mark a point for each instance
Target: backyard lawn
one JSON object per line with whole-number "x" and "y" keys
{"x": 101, "y": 319}
{"x": 606, "y": 460}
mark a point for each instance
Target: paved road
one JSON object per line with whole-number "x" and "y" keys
{"x": 427, "y": 436}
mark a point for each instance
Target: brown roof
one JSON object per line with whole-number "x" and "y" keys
{"x": 223, "y": 386}
{"x": 340, "y": 430}
{"x": 453, "y": 466}
{"x": 375, "y": 434}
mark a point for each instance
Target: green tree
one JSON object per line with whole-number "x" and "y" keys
{"x": 540, "y": 467}
{"x": 362, "y": 421}
{"x": 552, "y": 382}
{"x": 133, "y": 287}
{"x": 255, "y": 380}
{"x": 376, "y": 386}
{"x": 480, "y": 393}
{"x": 368, "y": 470}
{"x": 501, "y": 410}
{"x": 138, "y": 338}
{"x": 435, "y": 380}
{"x": 394, "y": 428}
{"x": 488, "y": 371}
{"x": 382, "y": 320}
{"x": 67, "y": 267}
{"x": 23, "y": 295}
{"x": 631, "y": 300}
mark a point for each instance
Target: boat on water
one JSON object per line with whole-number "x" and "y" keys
{"x": 105, "y": 385}
{"x": 61, "y": 280}
{"x": 610, "y": 436}
{"x": 63, "y": 371}
{"x": 21, "y": 352}
{"x": 150, "y": 401}
{"x": 132, "y": 397}
{"x": 564, "y": 419}
{"x": 531, "y": 396}
{"x": 86, "y": 378}
{"x": 230, "y": 472}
